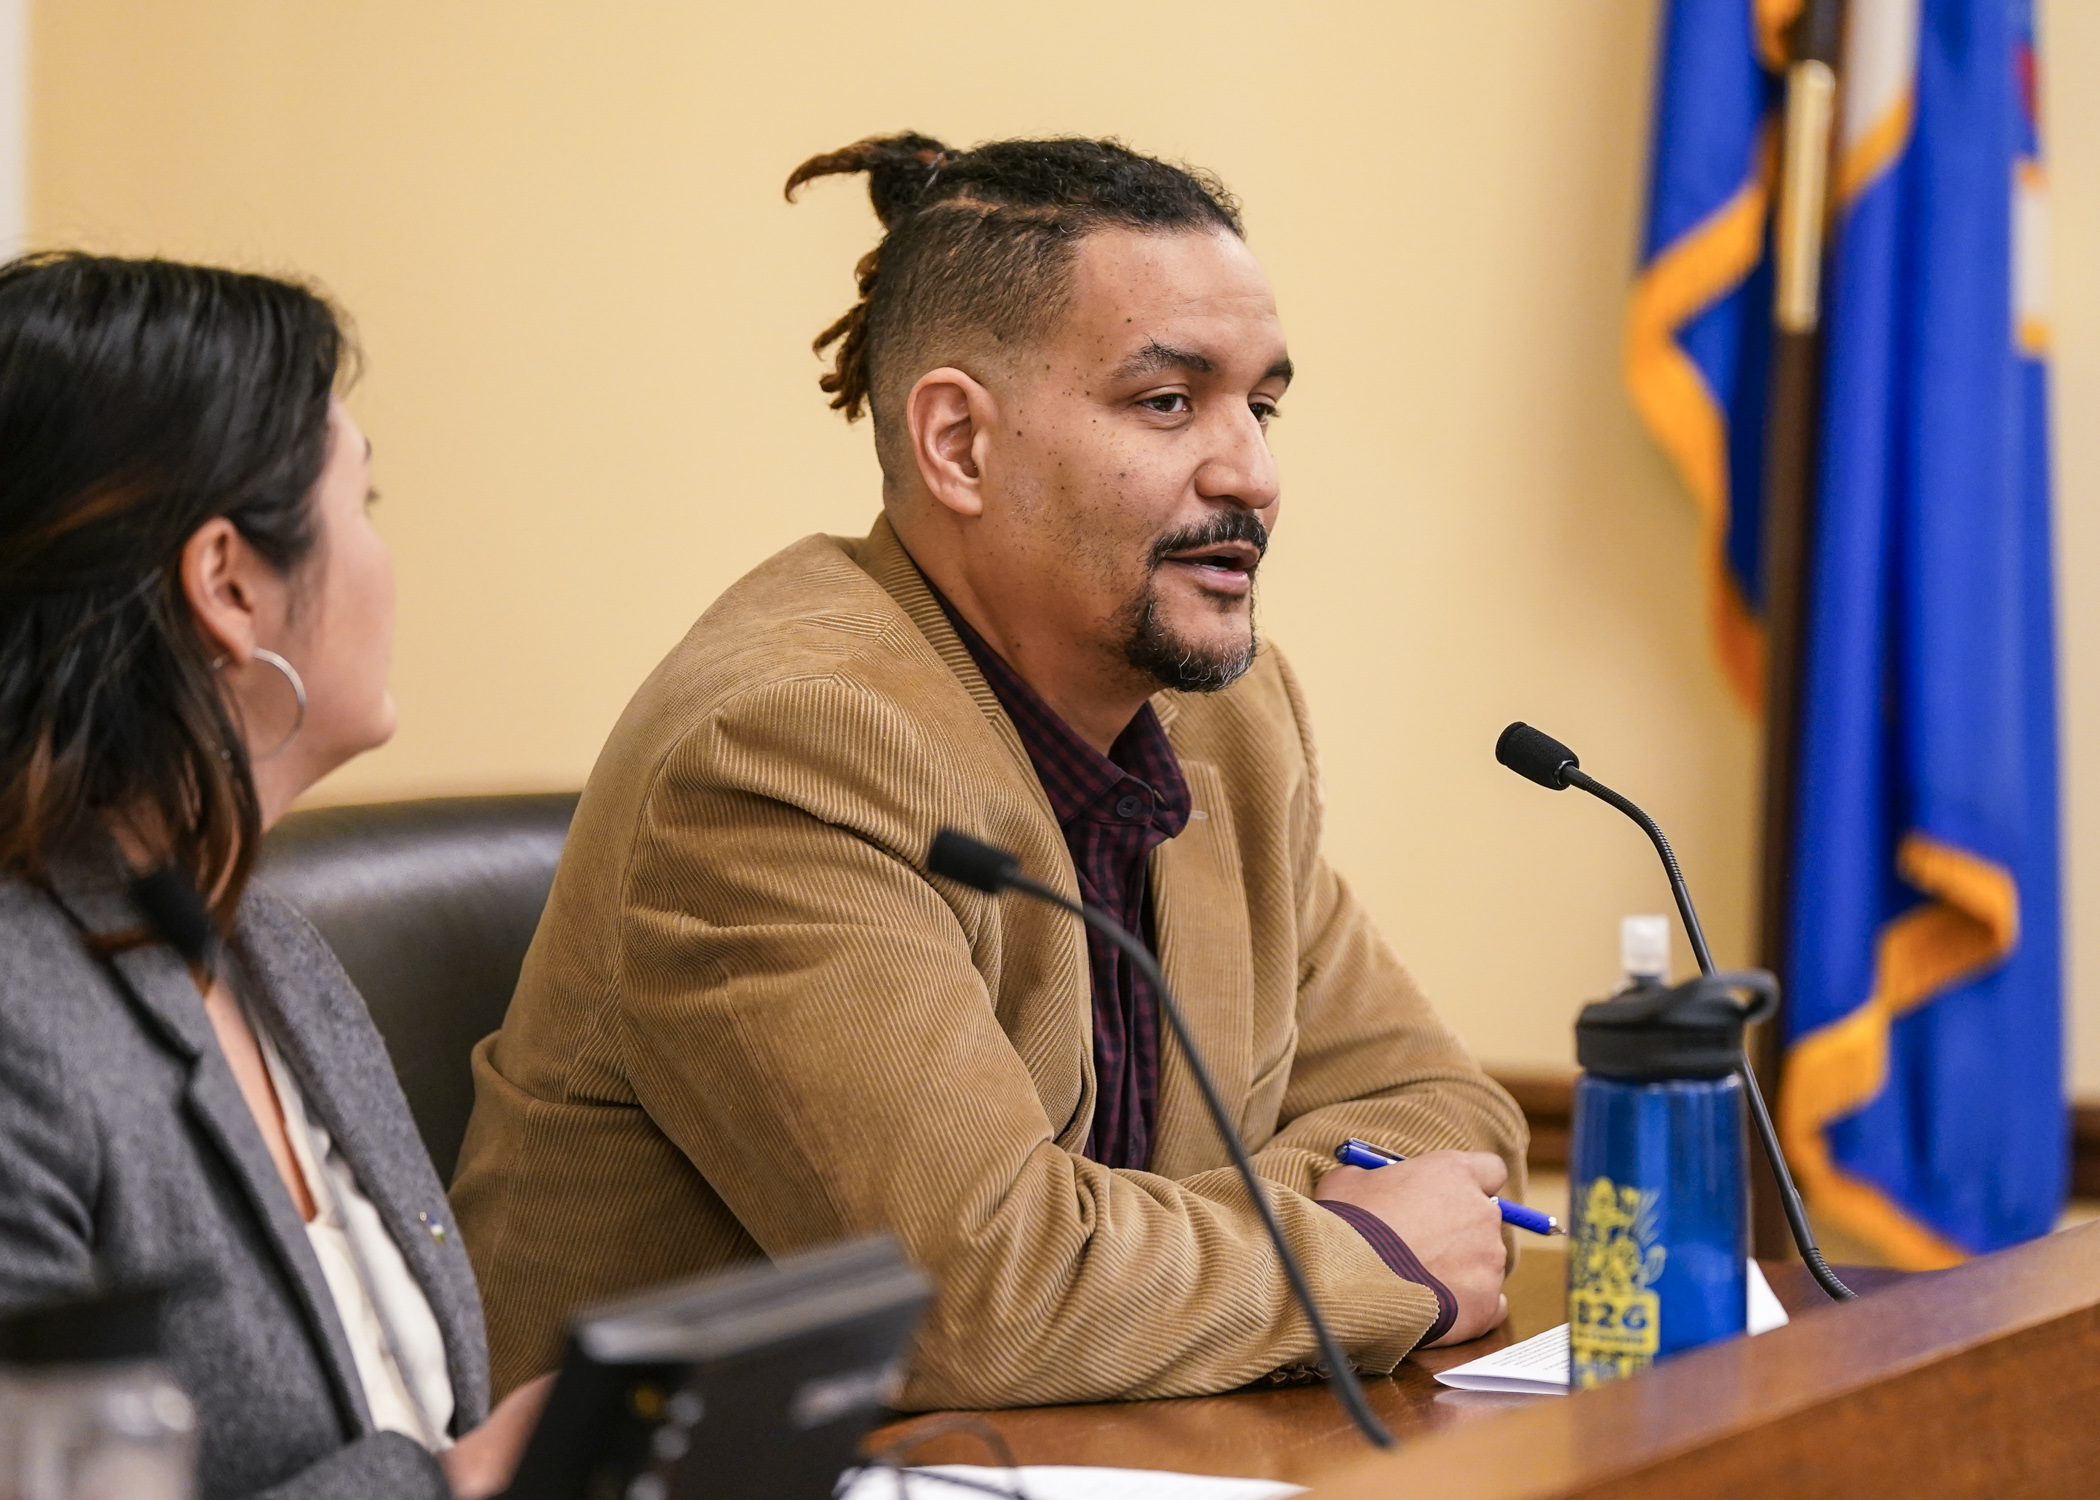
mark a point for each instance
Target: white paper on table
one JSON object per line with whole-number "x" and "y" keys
{"x": 1536, "y": 1367}
{"x": 1539, "y": 1365}
{"x": 1766, "y": 1313}
{"x": 1055, "y": 1482}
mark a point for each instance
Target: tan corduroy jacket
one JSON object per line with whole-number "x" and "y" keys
{"x": 749, "y": 1022}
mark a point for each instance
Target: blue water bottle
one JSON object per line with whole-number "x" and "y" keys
{"x": 1659, "y": 1214}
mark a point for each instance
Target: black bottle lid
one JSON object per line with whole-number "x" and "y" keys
{"x": 1692, "y": 1030}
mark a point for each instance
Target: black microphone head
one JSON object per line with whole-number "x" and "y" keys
{"x": 979, "y": 866}
{"x": 1536, "y": 756}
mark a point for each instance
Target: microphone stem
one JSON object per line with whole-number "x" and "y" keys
{"x": 1575, "y": 776}
{"x": 1767, "y": 1137}
{"x": 1789, "y": 1195}
{"x": 1341, "y": 1373}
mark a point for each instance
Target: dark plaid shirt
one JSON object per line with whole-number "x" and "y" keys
{"x": 1114, "y": 810}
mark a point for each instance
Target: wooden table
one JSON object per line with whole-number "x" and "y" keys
{"x": 1983, "y": 1380}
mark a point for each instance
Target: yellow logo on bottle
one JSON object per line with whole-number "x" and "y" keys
{"x": 1614, "y": 1321}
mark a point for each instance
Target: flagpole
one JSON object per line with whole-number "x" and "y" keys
{"x": 1792, "y": 412}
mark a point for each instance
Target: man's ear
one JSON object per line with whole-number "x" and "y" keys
{"x": 218, "y": 568}
{"x": 950, "y": 418}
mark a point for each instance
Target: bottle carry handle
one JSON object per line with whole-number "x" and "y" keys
{"x": 1762, "y": 985}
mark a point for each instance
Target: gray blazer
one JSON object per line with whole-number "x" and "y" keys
{"x": 128, "y": 1155}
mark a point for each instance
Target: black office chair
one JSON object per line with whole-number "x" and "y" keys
{"x": 430, "y": 906}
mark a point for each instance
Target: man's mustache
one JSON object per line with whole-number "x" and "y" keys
{"x": 1228, "y": 526}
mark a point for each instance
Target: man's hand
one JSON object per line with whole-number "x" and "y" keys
{"x": 1439, "y": 1203}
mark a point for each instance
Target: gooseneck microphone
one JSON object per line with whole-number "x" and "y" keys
{"x": 984, "y": 868}
{"x": 1539, "y": 757}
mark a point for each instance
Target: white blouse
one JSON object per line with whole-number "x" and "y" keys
{"x": 394, "y": 1337}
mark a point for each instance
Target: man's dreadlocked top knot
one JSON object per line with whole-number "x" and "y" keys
{"x": 978, "y": 245}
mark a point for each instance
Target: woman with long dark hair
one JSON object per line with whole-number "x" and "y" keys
{"x": 195, "y": 622}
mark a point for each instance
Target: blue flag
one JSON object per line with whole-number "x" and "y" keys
{"x": 1922, "y": 1102}
{"x": 1699, "y": 327}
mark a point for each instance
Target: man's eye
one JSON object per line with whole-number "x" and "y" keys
{"x": 1172, "y": 404}
{"x": 1265, "y": 412}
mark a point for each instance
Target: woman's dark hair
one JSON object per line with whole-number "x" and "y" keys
{"x": 140, "y": 399}
{"x": 978, "y": 246}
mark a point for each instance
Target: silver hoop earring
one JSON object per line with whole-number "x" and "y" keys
{"x": 291, "y": 675}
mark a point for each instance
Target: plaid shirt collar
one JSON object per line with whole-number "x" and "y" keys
{"x": 1081, "y": 782}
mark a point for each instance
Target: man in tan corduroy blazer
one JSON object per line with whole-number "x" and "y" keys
{"x": 751, "y": 1023}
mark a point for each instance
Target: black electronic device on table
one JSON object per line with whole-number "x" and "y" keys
{"x": 752, "y": 1382}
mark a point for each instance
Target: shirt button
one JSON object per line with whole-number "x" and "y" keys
{"x": 1130, "y": 806}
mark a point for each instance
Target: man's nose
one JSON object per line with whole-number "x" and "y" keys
{"x": 1241, "y": 468}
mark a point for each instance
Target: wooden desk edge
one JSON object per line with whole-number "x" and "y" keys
{"x": 1711, "y": 1398}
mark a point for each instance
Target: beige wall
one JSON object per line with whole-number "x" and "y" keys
{"x": 2071, "y": 121}
{"x": 587, "y": 313}
{"x": 14, "y": 123}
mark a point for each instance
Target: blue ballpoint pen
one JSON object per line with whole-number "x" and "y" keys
{"x": 1363, "y": 1154}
